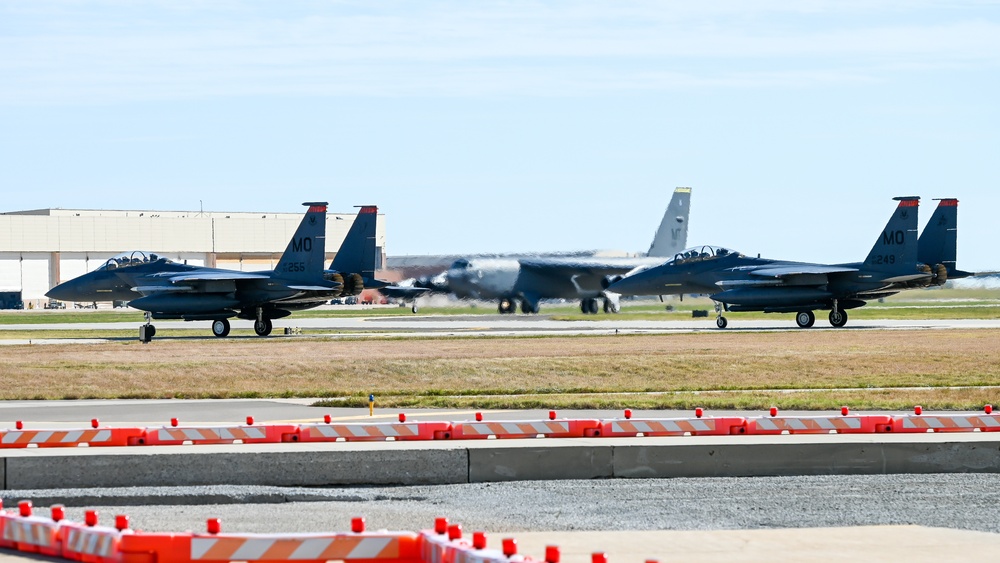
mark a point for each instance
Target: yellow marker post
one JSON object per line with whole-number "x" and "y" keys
{"x": 371, "y": 404}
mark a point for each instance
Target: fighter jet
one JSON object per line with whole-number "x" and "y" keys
{"x": 530, "y": 280}
{"x": 740, "y": 283}
{"x": 167, "y": 290}
{"x": 937, "y": 246}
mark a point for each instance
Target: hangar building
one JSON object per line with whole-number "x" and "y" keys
{"x": 44, "y": 247}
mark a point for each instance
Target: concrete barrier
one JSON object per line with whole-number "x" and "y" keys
{"x": 445, "y": 462}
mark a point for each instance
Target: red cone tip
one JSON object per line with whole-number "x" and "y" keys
{"x": 24, "y": 507}
{"x": 628, "y": 413}
{"x": 173, "y": 422}
{"x": 551, "y": 554}
{"x": 988, "y": 409}
{"x": 121, "y": 522}
{"x": 599, "y": 557}
{"x": 845, "y": 411}
{"x": 440, "y": 525}
{"x": 918, "y": 410}
{"x": 774, "y": 411}
{"x": 214, "y": 525}
{"x": 90, "y": 518}
{"x": 327, "y": 418}
{"x": 357, "y": 525}
{"x": 455, "y": 532}
{"x": 19, "y": 425}
{"x": 402, "y": 417}
{"x": 552, "y": 415}
{"x": 479, "y": 540}
{"x": 479, "y": 417}
{"x": 94, "y": 423}
{"x": 699, "y": 412}
{"x": 58, "y": 513}
{"x": 509, "y": 546}
{"x": 250, "y": 420}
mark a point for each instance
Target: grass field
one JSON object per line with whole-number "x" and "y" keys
{"x": 892, "y": 369}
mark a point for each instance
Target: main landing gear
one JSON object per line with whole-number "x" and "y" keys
{"x": 220, "y": 327}
{"x": 262, "y": 326}
{"x": 591, "y": 306}
{"x": 507, "y": 306}
{"x": 805, "y": 319}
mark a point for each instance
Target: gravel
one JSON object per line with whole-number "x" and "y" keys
{"x": 963, "y": 501}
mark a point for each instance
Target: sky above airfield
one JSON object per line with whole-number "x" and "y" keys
{"x": 515, "y": 126}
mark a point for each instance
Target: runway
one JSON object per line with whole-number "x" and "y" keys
{"x": 482, "y": 325}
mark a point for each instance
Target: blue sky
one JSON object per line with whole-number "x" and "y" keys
{"x": 515, "y": 126}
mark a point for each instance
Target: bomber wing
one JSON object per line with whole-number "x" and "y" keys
{"x": 576, "y": 267}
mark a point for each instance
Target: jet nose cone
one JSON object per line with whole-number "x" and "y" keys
{"x": 67, "y": 291}
{"x": 636, "y": 284}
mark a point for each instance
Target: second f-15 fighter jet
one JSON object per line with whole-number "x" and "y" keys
{"x": 741, "y": 283}
{"x": 167, "y": 290}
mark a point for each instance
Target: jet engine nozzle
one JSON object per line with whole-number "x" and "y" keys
{"x": 940, "y": 274}
{"x": 354, "y": 284}
{"x": 336, "y": 278}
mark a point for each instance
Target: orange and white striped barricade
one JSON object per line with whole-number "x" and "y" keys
{"x": 32, "y": 534}
{"x": 708, "y": 426}
{"x": 368, "y": 432}
{"x": 452, "y": 548}
{"x": 946, "y": 423}
{"x": 834, "y": 424}
{"x": 236, "y": 434}
{"x": 558, "y": 428}
{"x": 68, "y": 438}
{"x": 91, "y": 543}
{"x": 401, "y": 547}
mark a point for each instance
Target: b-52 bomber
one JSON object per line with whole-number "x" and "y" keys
{"x": 168, "y": 290}
{"x": 532, "y": 279}
{"x": 740, "y": 283}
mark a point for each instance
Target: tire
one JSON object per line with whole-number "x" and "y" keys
{"x": 838, "y": 318}
{"x": 506, "y": 306}
{"x": 805, "y": 319}
{"x": 220, "y": 328}
{"x": 414, "y": 309}
{"x": 152, "y": 331}
{"x": 592, "y": 306}
{"x": 721, "y": 322}
{"x": 263, "y": 327}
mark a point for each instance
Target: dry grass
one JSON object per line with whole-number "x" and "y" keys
{"x": 536, "y": 371}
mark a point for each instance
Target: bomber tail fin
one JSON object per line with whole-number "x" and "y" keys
{"x": 671, "y": 237}
{"x": 896, "y": 247}
{"x": 357, "y": 254}
{"x": 304, "y": 256}
{"x": 938, "y": 243}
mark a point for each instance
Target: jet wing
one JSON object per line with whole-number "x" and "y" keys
{"x": 215, "y": 276}
{"x": 403, "y": 292}
{"x": 787, "y": 270}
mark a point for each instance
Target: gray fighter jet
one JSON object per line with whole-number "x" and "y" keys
{"x": 529, "y": 280}
{"x": 741, "y": 283}
{"x": 167, "y": 290}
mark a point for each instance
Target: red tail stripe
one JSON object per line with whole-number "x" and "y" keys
{"x": 948, "y": 203}
{"x": 909, "y": 203}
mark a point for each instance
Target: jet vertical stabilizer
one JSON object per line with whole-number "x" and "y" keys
{"x": 896, "y": 247}
{"x": 671, "y": 237}
{"x": 304, "y": 256}
{"x": 357, "y": 254}
{"x": 938, "y": 243}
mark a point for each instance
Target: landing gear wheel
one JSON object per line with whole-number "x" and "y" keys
{"x": 838, "y": 318}
{"x": 528, "y": 309}
{"x": 721, "y": 322}
{"x": 805, "y": 319}
{"x": 611, "y": 307}
{"x": 414, "y": 308}
{"x": 262, "y": 327}
{"x": 151, "y": 330}
{"x": 506, "y": 306}
{"x": 220, "y": 327}
{"x": 592, "y": 306}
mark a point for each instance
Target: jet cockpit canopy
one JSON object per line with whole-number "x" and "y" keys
{"x": 699, "y": 253}
{"x": 131, "y": 258}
